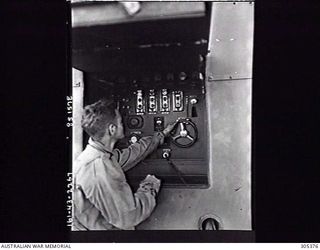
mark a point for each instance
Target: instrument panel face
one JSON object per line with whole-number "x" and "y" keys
{"x": 148, "y": 105}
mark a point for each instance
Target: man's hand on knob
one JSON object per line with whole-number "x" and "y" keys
{"x": 169, "y": 128}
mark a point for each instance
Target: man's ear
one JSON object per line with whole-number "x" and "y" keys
{"x": 112, "y": 129}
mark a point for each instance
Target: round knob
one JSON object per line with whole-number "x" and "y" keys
{"x": 166, "y": 155}
{"x": 182, "y": 76}
{"x": 133, "y": 139}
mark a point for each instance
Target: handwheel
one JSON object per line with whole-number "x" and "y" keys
{"x": 185, "y": 135}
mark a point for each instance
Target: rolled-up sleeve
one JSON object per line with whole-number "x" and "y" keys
{"x": 113, "y": 197}
{"x": 131, "y": 156}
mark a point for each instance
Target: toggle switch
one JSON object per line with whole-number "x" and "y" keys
{"x": 159, "y": 123}
{"x": 193, "y": 101}
{"x": 192, "y": 108}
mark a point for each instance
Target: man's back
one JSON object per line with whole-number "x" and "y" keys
{"x": 102, "y": 198}
{"x": 86, "y": 215}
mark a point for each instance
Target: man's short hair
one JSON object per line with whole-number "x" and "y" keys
{"x": 97, "y": 116}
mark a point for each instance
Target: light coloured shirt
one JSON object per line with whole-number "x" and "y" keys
{"x": 102, "y": 198}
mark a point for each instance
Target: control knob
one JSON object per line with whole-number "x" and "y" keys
{"x": 165, "y": 154}
{"x": 133, "y": 139}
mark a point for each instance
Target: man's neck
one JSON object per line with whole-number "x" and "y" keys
{"x": 108, "y": 143}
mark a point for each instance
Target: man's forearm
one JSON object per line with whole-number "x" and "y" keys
{"x": 139, "y": 151}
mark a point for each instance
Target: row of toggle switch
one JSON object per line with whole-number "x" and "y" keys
{"x": 165, "y": 104}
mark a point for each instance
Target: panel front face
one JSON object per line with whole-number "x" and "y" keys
{"x": 161, "y": 103}
{"x": 148, "y": 101}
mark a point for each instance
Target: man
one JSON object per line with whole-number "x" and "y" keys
{"x": 103, "y": 200}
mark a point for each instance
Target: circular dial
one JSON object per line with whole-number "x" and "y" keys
{"x": 134, "y": 121}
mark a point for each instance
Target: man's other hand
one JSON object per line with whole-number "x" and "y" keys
{"x": 151, "y": 182}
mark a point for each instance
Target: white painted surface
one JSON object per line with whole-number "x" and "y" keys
{"x": 77, "y": 94}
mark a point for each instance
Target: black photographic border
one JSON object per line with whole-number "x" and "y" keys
{"x": 285, "y": 126}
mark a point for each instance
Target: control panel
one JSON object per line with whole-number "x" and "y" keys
{"x": 148, "y": 101}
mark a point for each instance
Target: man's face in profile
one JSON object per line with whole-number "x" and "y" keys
{"x": 120, "y": 130}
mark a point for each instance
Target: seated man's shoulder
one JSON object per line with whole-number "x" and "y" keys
{"x": 85, "y": 162}
{"x": 89, "y": 172}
